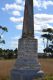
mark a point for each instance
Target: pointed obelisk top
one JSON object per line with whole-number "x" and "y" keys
{"x": 28, "y": 22}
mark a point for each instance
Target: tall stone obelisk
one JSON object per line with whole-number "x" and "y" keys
{"x": 27, "y": 66}
{"x": 28, "y": 23}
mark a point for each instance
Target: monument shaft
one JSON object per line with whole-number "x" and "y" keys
{"x": 28, "y": 23}
{"x": 27, "y": 66}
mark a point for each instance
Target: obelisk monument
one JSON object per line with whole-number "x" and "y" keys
{"x": 27, "y": 66}
{"x": 28, "y": 23}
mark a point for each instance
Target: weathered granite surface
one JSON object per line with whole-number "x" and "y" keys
{"x": 27, "y": 54}
{"x": 28, "y": 22}
{"x": 26, "y": 74}
{"x": 27, "y": 66}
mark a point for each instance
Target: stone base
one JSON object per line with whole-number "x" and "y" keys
{"x": 26, "y": 74}
{"x": 26, "y": 66}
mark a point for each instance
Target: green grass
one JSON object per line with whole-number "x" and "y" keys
{"x": 46, "y": 66}
{"x": 48, "y": 77}
{"x": 4, "y": 78}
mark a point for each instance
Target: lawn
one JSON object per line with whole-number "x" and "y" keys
{"x": 7, "y": 65}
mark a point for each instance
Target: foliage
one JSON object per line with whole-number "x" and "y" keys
{"x": 2, "y": 30}
{"x": 48, "y": 35}
{"x": 8, "y": 54}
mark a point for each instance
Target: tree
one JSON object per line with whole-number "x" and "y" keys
{"x": 48, "y": 34}
{"x": 16, "y": 52}
{"x": 2, "y": 30}
{"x": 0, "y": 52}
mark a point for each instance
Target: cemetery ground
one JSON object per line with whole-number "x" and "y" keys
{"x": 7, "y": 65}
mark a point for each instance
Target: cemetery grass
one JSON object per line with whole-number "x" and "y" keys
{"x": 7, "y": 65}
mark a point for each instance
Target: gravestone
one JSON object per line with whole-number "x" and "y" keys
{"x": 27, "y": 66}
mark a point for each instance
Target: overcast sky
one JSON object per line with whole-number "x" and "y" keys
{"x": 11, "y": 16}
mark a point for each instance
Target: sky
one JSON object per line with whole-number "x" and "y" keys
{"x": 12, "y": 14}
